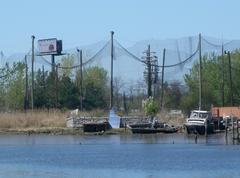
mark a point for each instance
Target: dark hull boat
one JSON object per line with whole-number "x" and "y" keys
{"x": 199, "y": 129}
{"x": 141, "y": 125}
{"x": 168, "y": 130}
{"x": 144, "y": 130}
{"x": 96, "y": 127}
{"x": 154, "y": 130}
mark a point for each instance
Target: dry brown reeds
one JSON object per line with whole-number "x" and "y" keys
{"x": 40, "y": 118}
{"x": 165, "y": 116}
{"x": 35, "y": 119}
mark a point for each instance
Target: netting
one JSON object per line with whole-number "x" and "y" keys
{"x": 129, "y": 64}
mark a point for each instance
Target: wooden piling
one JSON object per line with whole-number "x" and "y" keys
{"x": 233, "y": 133}
{"x": 206, "y": 129}
{"x": 226, "y": 127}
{"x": 237, "y": 130}
{"x": 196, "y": 138}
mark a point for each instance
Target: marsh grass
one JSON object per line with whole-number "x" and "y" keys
{"x": 177, "y": 120}
{"x": 35, "y": 119}
{"x": 40, "y": 118}
{"x": 57, "y": 119}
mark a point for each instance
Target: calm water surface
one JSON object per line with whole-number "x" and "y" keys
{"x": 117, "y": 156}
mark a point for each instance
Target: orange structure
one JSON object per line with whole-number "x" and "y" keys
{"x": 221, "y": 112}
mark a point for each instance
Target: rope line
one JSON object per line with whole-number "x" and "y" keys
{"x": 130, "y": 54}
{"x": 91, "y": 59}
{"x": 172, "y": 65}
{"x": 216, "y": 45}
{"x": 182, "y": 62}
{"x": 76, "y": 66}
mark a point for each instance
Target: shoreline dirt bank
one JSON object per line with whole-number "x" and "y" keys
{"x": 61, "y": 131}
{"x": 65, "y": 131}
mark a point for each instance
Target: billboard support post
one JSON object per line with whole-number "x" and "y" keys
{"x": 53, "y": 62}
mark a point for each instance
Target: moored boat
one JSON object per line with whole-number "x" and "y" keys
{"x": 141, "y": 125}
{"x": 144, "y": 130}
{"x": 199, "y": 122}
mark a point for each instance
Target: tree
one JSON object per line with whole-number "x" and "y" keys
{"x": 173, "y": 94}
{"x": 5, "y": 75}
{"x": 96, "y": 90}
{"x": 15, "y": 89}
{"x": 67, "y": 61}
{"x": 40, "y": 97}
{"x": 51, "y": 90}
{"x": 212, "y": 70}
{"x": 151, "y": 107}
{"x": 68, "y": 93}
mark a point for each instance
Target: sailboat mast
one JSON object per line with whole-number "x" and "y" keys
{"x": 200, "y": 72}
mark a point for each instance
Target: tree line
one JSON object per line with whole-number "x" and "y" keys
{"x": 61, "y": 88}
{"x": 53, "y": 89}
{"x": 216, "y": 83}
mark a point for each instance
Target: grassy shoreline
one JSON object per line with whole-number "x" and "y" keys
{"x": 53, "y": 122}
{"x": 59, "y": 131}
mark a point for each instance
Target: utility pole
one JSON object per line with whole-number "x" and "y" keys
{"x": 150, "y": 61}
{"x": 26, "y": 102}
{"x": 81, "y": 78}
{"x": 32, "y": 91}
{"x": 200, "y": 72}
{"x": 222, "y": 75}
{"x": 155, "y": 71}
{"x": 43, "y": 73}
{"x": 53, "y": 63}
{"x": 162, "y": 83}
{"x": 111, "y": 82}
{"x": 149, "y": 71}
{"x": 44, "y": 84}
{"x": 56, "y": 80}
{"x": 230, "y": 77}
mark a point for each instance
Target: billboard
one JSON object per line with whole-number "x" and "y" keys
{"x": 50, "y": 46}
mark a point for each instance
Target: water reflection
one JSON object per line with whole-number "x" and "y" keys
{"x": 215, "y": 139}
{"x": 133, "y": 156}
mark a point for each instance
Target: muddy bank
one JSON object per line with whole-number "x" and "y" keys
{"x": 61, "y": 131}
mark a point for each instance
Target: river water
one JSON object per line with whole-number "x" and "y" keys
{"x": 118, "y": 156}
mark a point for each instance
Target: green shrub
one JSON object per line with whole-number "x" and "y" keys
{"x": 150, "y": 107}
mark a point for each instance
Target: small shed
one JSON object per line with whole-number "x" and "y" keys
{"x": 219, "y": 113}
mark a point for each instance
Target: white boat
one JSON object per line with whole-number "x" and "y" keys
{"x": 198, "y": 122}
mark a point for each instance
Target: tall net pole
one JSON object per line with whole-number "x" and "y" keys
{"x": 200, "y": 72}
{"x": 32, "y": 94}
{"x": 162, "y": 82}
{"x": 26, "y": 85}
{"x": 81, "y": 78}
{"x": 111, "y": 80}
{"x": 222, "y": 76}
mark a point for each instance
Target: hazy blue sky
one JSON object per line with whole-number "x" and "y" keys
{"x": 79, "y": 22}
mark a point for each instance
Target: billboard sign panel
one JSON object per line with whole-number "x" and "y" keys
{"x": 48, "y": 46}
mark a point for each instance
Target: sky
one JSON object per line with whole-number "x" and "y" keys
{"x": 83, "y": 22}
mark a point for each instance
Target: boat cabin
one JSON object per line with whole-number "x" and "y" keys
{"x": 199, "y": 116}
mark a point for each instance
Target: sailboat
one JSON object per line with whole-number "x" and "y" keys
{"x": 199, "y": 122}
